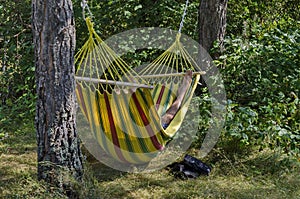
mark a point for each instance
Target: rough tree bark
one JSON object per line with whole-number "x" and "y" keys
{"x": 212, "y": 23}
{"x": 59, "y": 151}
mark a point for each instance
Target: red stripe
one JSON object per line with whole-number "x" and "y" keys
{"x": 81, "y": 101}
{"x": 160, "y": 96}
{"x": 153, "y": 138}
{"x": 113, "y": 129}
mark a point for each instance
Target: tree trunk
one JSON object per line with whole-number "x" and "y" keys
{"x": 59, "y": 151}
{"x": 212, "y": 23}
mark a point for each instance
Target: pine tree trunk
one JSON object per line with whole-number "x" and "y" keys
{"x": 212, "y": 23}
{"x": 59, "y": 151}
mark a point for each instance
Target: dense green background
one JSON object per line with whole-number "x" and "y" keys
{"x": 260, "y": 66}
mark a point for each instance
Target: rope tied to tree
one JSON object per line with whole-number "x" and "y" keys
{"x": 84, "y": 5}
{"x": 183, "y": 16}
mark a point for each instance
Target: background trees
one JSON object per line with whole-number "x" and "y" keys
{"x": 17, "y": 92}
{"x": 212, "y": 23}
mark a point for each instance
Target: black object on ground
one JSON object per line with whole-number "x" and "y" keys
{"x": 197, "y": 164}
{"x": 189, "y": 168}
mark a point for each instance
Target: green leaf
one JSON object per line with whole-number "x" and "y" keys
{"x": 138, "y": 7}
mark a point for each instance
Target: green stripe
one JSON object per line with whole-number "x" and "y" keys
{"x": 87, "y": 93}
{"x": 154, "y": 91}
{"x": 124, "y": 127}
{"x": 123, "y": 123}
{"x": 142, "y": 144}
{"x": 153, "y": 113}
{"x": 149, "y": 103}
{"x": 156, "y": 120}
{"x": 191, "y": 90}
{"x": 168, "y": 98}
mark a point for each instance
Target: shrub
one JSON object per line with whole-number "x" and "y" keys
{"x": 261, "y": 74}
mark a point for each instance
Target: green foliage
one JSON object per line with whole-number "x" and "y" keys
{"x": 114, "y": 16}
{"x": 16, "y": 63}
{"x": 260, "y": 66}
{"x": 242, "y": 14}
{"x": 262, "y": 77}
{"x": 241, "y": 123}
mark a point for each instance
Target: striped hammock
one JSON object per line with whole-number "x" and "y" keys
{"x": 123, "y": 107}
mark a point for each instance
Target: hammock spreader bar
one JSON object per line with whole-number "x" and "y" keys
{"x": 172, "y": 75}
{"x": 111, "y": 82}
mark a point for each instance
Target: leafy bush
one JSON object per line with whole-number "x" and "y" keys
{"x": 262, "y": 76}
{"x": 16, "y": 62}
{"x": 242, "y": 14}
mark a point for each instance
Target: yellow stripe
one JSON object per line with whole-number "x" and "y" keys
{"x": 105, "y": 130}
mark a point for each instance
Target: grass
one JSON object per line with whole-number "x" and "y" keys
{"x": 265, "y": 174}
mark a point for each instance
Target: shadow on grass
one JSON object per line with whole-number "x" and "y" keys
{"x": 258, "y": 175}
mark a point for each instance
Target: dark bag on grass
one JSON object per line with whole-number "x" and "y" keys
{"x": 189, "y": 168}
{"x": 197, "y": 164}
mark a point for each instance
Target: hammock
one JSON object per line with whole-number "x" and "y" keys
{"x": 124, "y": 107}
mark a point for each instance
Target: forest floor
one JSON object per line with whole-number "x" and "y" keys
{"x": 265, "y": 174}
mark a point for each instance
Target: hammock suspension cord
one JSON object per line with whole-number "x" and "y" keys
{"x": 84, "y": 5}
{"x": 183, "y": 16}
{"x": 174, "y": 60}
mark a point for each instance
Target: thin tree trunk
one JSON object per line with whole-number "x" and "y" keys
{"x": 59, "y": 151}
{"x": 212, "y": 23}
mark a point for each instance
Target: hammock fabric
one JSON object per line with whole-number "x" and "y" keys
{"x": 124, "y": 108}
